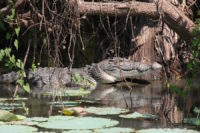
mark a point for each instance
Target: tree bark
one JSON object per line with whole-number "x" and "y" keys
{"x": 174, "y": 18}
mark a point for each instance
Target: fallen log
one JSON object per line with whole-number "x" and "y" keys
{"x": 174, "y": 18}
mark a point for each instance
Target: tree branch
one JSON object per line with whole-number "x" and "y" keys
{"x": 174, "y": 18}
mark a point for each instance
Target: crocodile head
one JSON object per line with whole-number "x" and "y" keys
{"x": 119, "y": 69}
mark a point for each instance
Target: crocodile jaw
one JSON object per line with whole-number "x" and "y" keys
{"x": 108, "y": 78}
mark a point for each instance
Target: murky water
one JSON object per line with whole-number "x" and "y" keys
{"x": 154, "y": 98}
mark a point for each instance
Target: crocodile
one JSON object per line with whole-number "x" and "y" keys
{"x": 105, "y": 72}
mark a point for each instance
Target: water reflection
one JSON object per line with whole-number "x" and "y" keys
{"x": 153, "y": 98}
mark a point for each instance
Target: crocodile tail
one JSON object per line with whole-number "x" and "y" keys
{"x": 9, "y": 77}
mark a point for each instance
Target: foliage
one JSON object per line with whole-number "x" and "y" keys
{"x": 194, "y": 64}
{"x": 9, "y": 58}
{"x": 176, "y": 90}
{"x": 26, "y": 109}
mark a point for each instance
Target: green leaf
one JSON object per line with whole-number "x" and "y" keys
{"x": 1, "y": 54}
{"x": 79, "y": 123}
{"x": 26, "y": 87}
{"x": 20, "y": 64}
{"x": 17, "y": 30}
{"x": 7, "y": 116}
{"x": 12, "y": 59}
{"x": 20, "y": 82}
{"x": 10, "y": 17}
{"x": 7, "y": 51}
{"x": 33, "y": 67}
{"x": 16, "y": 44}
{"x": 196, "y": 110}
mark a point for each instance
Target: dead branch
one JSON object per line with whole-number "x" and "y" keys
{"x": 174, "y": 18}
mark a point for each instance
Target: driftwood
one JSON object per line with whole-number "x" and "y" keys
{"x": 172, "y": 16}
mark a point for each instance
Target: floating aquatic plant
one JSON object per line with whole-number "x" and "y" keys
{"x": 78, "y": 123}
{"x": 105, "y": 110}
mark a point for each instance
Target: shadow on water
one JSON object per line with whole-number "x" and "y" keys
{"x": 154, "y": 98}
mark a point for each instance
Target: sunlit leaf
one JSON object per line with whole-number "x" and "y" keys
{"x": 69, "y": 112}
{"x": 79, "y": 123}
{"x": 196, "y": 110}
{"x": 17, "y": 30}
{"x": 26, "y": 87}
{"x": 7, "y": 116}
{"x": 16, "y": 44}
{"x": 20, "y": 82}
{"x": 17, "y": 129}
{"x": 33, "y": 67}
{"x": 12, "y": 59}
{"x": 21, "y": 117}
{"x": 105, "y": 110}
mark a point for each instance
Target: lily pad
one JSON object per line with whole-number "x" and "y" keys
{"x": 78, "y": 131}
{"x": 15, "y": 99}
{"x": 7, "y": 116}
{"x": 21, "y": 117}
{"x": 36, "y": 119}
{"x": 115, "y": 130}
{"x": 65, "y": 103}
{"x": 79, "y": 123}
{"x": 105, "y": 110}
{"x": 166, "y": 130}
{"x": 60, "y": 117}
{"x": 10, "y": 106}
{"x": 136, "y": 115}
{"x": 17, "y": 129}
{"x": 192, "y": 121}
